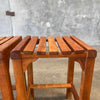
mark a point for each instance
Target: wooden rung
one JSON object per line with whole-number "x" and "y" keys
{"x": 63, "y": 46}
{"x": 73, "y": 45}
{"x": 53, "y": 50}
{"x": 41, "y": 50}
{"x": 75, "y": 94}
{"x": 41, "y": 86}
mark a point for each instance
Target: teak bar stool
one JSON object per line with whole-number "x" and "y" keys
{"x": 24, "y": 54}
{"x": 6, "y": 45}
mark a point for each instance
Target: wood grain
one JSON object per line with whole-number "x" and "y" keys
{"x": 41, "y": 50}
{"x": 63, "y": 46}
{"x": 73, "y": 45}
{"x": 29, "y": 49}
{"x": 53, "y": 50}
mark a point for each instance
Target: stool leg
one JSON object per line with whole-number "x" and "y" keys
{"x": 70, "y": 76}
{"x": 30, "y": 78}
{"x": 86, "y": 80}
{"x": 5, "y": 82}
{"x": 19, "y": 79}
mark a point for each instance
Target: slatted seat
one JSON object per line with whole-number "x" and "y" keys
{"x": 32, "y": 48}
{"x": 65, "y": 44}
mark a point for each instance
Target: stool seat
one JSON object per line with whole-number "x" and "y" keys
{"x": 32, "y": 48}
{"x": 57, "y": 46}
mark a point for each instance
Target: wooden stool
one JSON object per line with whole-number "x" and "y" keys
{"x": 24, "y": 54}
{"x": 6, "y": 44}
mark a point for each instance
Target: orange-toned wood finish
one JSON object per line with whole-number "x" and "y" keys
{"x": 53, "y": 50}
{"x": 41, "y": 50}
{"x": 30, "y": 78}
{"x": 63, "y": 46}
{"x": 59, "y": 47}
{"x": 6, "y": 45}
{"x": 70, "y": 76}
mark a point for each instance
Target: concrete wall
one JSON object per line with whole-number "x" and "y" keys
{"x": 57, "y": 18}
{"x": 5, "y": 21}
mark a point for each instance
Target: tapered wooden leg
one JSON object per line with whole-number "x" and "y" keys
{"x": 19, "y": 80}
{"x": 86, "y": 80}
{"x": 30, "y": 78}
{"x": 70, "y": 76}
{"x": 5, "y": 82}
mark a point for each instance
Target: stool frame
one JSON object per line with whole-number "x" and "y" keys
{"x": 22, "y": 62}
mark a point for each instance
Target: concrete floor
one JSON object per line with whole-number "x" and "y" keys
{"x": 55, "y": 71}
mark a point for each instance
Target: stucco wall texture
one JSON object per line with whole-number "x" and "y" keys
{"x": 57, "y": 18}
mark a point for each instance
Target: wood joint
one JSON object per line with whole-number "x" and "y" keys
{"x": 81, "y": 61}
{"x": 92, "y": 53}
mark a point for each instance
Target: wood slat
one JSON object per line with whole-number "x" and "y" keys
{"x": 73, "y": 45}
{"x": 1, "y": 38}
{"x": 29, "y": 49}
{"x": 15, "y": 53}
{"x": 41, "y": 50}
{"x": 81, "y": 43}
{"x": 5, "y": 39}
{"x": 7, "y": 46}
{"x": 41, "y": 86}
{"x": 20, "y": 46}
{"x": 91, "y": 51}
{"x": 63, "y": 46}
{"x": 53, "y": 50}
